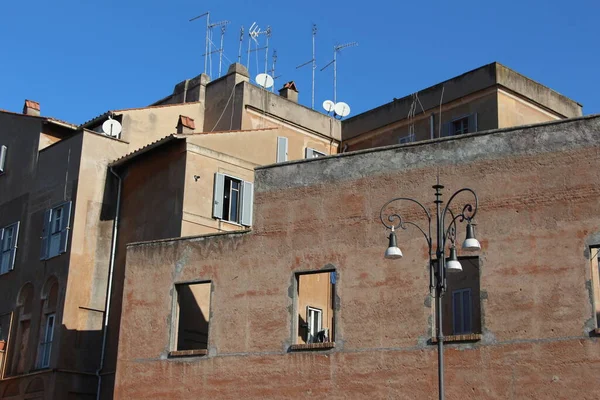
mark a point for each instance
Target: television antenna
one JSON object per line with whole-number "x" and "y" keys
{"x": 336, "y": 49}
{"x": 254, "y": 33}
{"x": 111, "y": 127}
{"x": 312, "y": 61}
{"x": 241, "y": 41}
{"x": 272, "y": 71}
{"x": 223, "y": 25}
{"x": 207, "y": 15}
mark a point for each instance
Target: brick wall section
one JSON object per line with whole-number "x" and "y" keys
{"x": 538, "y": 190}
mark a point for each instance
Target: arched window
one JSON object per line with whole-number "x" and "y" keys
{"x": 22, "y": 341}
{"x": 48, "y": 322}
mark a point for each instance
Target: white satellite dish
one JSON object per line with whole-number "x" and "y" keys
{"x": 342, "y": 109}
{"x": 264, "y": 80}
{"x": 112, "y": 127}
{"x": 328, "y": 105}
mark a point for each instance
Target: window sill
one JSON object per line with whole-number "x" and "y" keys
{"x": 312, "y": 346}
{"x": 188, "y": 353}
{"x": 471, "y": 337}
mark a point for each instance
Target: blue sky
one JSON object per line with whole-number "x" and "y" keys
{"x": 81, "y": 58}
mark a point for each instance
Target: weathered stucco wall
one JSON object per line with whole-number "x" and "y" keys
{"x": 513, "y": 110}
{"x": 538, "y": 190}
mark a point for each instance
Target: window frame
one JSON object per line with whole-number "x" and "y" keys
{"x": 12, "y": 246}
{"x": 50, "y": 233}
{"x": 44, "y": 361}
{"x": 175, "y": 312}
{"x": 310, "y": 335}
{"x": 595, "y": 278}
{"x": 407, "y": 139}
{"x": 245, "y": 204}
{"x": 3, "y": 157}
{"x": 310, "y": 153}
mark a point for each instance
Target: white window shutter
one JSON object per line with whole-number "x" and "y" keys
{"x": 247, "y": 203}
{"x": 219, "y": 189}
{"x": 309, "y": 153}
{"x": 473, "y": 123}
{"x": 65, "y": 227}
{"x": 13, "y": 245}
{"x": 45, "y": 233}
{"x": 3, "y": 151}
{"x": 282, "y": 149}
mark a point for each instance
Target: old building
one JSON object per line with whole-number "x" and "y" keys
{"x": 66, "y": 191}
{"x": 236, "y": 314}
{"x": 489, "y": 97}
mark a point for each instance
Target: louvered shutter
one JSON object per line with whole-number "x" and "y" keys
{"x": 65, "y": 227}
{"x": 466, "y": 308}
{"x": 456, "y": 312}
{"x": 45, "y": 233}
{"x": 247, "y": 203}
{"x": 447, "y": 129}
{"x": 3, "y": 151}
{"x": 473, "y": 123}
{"x": 219, "y": 188}
{"x": 282, "y": 149}
{"x": 13, "y": 245}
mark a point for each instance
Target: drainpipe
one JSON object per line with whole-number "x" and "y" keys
{"x": 111, "y": 268}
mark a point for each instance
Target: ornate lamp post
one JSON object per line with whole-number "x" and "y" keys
{"x": 437, "y": 270}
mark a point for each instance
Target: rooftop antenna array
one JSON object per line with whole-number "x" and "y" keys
{"x": 207, "y": 15}
{"x": 240, "y": 48}
{"x": 312, "y": 61}
{"x": 253, "y": 33}
{"x": 336, "y": 49}
{"x": 223, "y": 25}
{"x": 208, "y": 40}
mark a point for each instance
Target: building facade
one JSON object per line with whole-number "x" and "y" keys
{"x": 304, "y": 303}
{"x": 489, "y": 97}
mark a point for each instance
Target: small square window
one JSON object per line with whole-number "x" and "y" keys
{"x": 315, "y": 304}
{"x": 192, "y": 314}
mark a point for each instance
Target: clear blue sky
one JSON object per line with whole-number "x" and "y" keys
{"x": 81, "y": 58}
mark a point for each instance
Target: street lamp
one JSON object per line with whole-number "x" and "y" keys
{"x": 437, "y": 270}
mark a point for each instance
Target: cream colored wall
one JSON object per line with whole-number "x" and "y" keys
{"x": 143, "y": 126}
{"x": 514, "y": 111}
{"x": 315, "y": 290}
{"x": 198, "y": 193}
{"x": 260, "y": 146}
{"x": 484, "y": 103}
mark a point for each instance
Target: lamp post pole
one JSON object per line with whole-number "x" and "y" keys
{"x": 437, "y": 270}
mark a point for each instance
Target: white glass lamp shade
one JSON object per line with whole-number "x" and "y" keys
{"x": 393, "y": 252}
{"x": 452, "y": 264}
{"x": 470, "y": 243}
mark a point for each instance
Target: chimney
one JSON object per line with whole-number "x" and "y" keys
{"x": 289, "y": 91}
{"x": 31, "y": 108}
{"x": 185, "y": 125}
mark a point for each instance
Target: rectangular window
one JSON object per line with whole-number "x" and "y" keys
{"x": 595, "y": 273}
{"x": 3, "y": 151}
{"x": 460, "y": 126}
{"x": 233, "y": 199}
{"x": 192, "y": 316}
{"x": 8, "y": 247}
{"x": 315, "y": 304}
{"x": 461, "y": 306}
{"x": 46, "y": 344}
{"x": 282, "y": 149}
{"x": 407, "y": 139}
{"x": 312, "y": 153}
{"x": 55, "y": 232}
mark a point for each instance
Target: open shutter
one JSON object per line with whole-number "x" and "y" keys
{"x": 3, "y": 150}
{"x": 456, "y": 312}
{"x": 447, "y": 129}
{"x": 473, "y": 123}
{"x": 45, "y": 233}
{"x": 219, "y": 188}
{"x": 282, "y": 149}
{"x": 65, "y": 227}
{"x": 309, "y": 153}
{"x": 13, "y": 245}
{"x": 247, "y": 203}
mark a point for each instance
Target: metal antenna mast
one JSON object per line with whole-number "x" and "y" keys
{"x": 241, "y": 41}
{"x": 268, "y": 35}
{"x": 336, "y": 49}
{"x": 207, "y": 14}
{"x": 313, "y": 61}
{"x": 222, "y": 24}
{"x": 253, "y": 33}
{"x": 272, "y": 71}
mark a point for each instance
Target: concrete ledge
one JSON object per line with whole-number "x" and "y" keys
{"x": 471, "y": 337}
{"x": 312, "y": 346}
{"x": 188, "y": 353}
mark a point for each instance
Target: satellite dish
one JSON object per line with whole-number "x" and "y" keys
{"x": 264, "y": 80}
{"x": 328, "y": 105}
{"x": 111, "y": 127}
{"x": 342, "y": 109}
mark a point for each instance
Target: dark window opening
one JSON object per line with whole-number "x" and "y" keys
{"x": 193, "y": 310}
{"x": 461, "y": 304}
